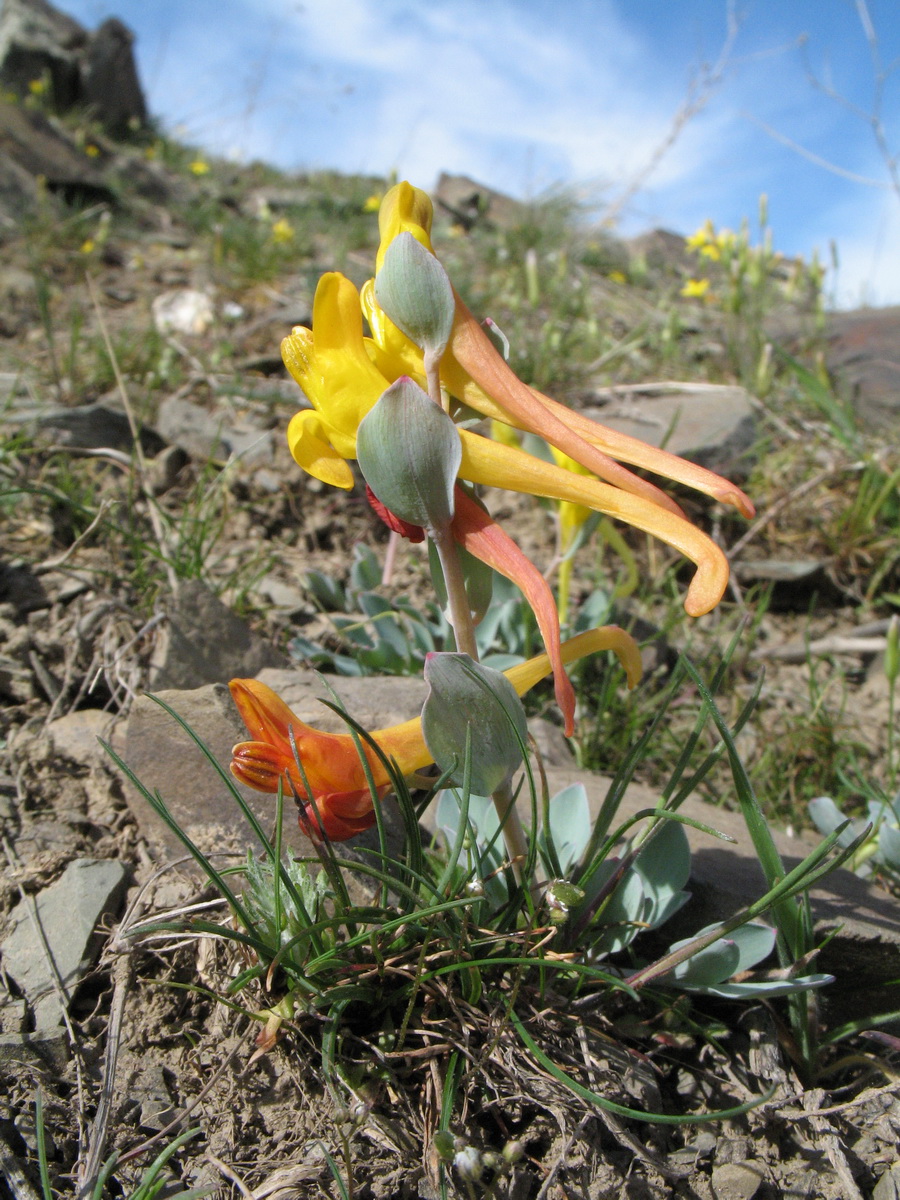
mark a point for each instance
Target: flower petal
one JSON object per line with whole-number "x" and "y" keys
{"x": 491, "y": 463}
{"x": 307, "y": 439}
{"x": 477, "y": 532}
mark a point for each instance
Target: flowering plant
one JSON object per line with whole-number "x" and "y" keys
{"x": 401, "y": 403}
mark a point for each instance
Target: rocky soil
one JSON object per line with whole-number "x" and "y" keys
{"x": 155, "y": 538}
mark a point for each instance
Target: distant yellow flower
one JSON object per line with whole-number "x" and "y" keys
{"x": 199, "y": 167}
{"x": 617, "y": 277}
{"x": 712, "y": 251}
{"x": 282, "y": 231}
{"x": 37, "y": 87}
{"x": 91, "y": 150}
{"x": 695, "y": 288}
{"x": 87, "y": 246}
{"x": 704, "y": 235}
{"x": 373, "y": 202}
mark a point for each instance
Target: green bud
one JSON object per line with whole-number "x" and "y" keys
{"x": 415, "y": 291}
{"x": 463, "y": 698}
{"x": 409, "y": 451}
{"x": 445, "y": 1145}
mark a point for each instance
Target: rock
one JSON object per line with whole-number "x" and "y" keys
{"x": 863, "y": 353}
{"x": 164, "y": 757}
{"x": 737, "y": 1181}
{"x": 110, "y": 85}
{"x": 95, "y": 427}
{"x": 888, "y": 1185}
{"x": 213, "y": 434}
{"x": 39, "y": 149}
{"x": 183, "y": 310}
{"x": 203, "y": 641}
{"x": 77, "y": 735}
{"x": 68, "y": 912}
{"x": 470, "y": 203}
{"x": 710, "y": 424}
{"x": 664, "y": 252}
{"x": 96, "y": 71}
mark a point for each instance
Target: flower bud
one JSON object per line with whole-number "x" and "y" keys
{"x": 409, "y": 451}
{"x": 414, "y": 290}
{"x": 465, "y": 696}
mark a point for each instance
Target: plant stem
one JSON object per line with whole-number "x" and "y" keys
{"x": 460, "y": 612}
{"x": 464, "y": 634}
{"x": 513, "y": 832}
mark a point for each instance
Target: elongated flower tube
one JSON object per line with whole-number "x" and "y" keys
{"x": 339, "y": 801}
{"x": 342, "y": 382}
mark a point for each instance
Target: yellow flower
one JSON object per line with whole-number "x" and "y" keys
{"x": 695, "y": 288}
{"x": 704, "y": 235}
{"x": 616, "y": 277}
{"x": 373, "y": 202}
{"x": 37, "y": 87}
{"x": 199, "y": 167}
{"x": 339, "y": 800}
{"x": 87, "y": 246}
{"x": 91, "y": 150}
{"x": 282, "y": 231}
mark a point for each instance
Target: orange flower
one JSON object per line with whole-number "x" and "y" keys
{"x": 338, "y": 801}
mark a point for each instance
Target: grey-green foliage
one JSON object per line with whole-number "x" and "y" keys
{"x": 611, "y": 901}
{"x": 881, "y": 848}
{"x": 392, "y": 637}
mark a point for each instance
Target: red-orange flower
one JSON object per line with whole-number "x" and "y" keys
{"x": 338, "y": 800}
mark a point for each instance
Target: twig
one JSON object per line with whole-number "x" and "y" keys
{"x": 774, "y": 509}
{"x": 51, "y": 564}
{"x": 90, "y": 1168}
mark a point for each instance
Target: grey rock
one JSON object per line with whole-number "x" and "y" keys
{"x": 183, "y": 311}
{"x": 39, "y": 148}
{"x": 77, "y": 735}
{"x": 708, "y": 423}
{"x": 68, "y": 913}
{"x": 470, "y": 203}
{"x": 110, "y": 84}
{"x": 94, "y": 427}
{"x": 863, "y": 353}
{"x": 203, "y": 641}
{"x": 213, "y": 434}
{"x": 92, "y": 70}
{"x": 888, "y": 1185}
{"x": 737, "y": 1181}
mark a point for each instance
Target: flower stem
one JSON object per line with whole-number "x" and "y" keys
{"x": 460, "y": 612}
{"x": 464, "y": 633}
{"x": 513, "y": 832}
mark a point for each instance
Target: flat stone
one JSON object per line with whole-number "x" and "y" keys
{"x": 68, "y": 912}
{"x": 864, "y": 953}
{"x": 203, "y": 641}
{"x": 216, "y": 433}
{"x": 710, "y": 424}
{"x": 77, "y": 735}
{"x": 165, "y": 758}
{"x": 737, "y": 1181}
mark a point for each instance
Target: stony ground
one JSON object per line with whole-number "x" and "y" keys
{"x": 125, "y": 1041}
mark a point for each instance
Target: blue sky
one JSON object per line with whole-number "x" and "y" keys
{"x": 525, "y": 95}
